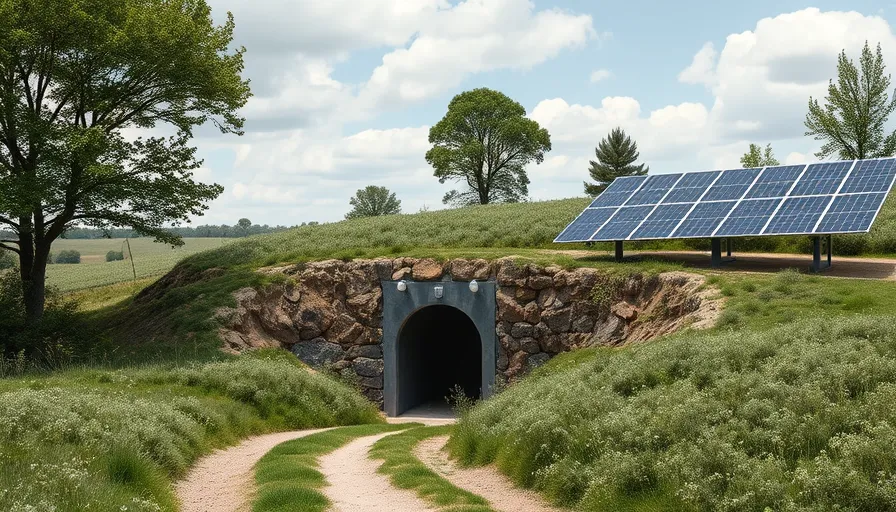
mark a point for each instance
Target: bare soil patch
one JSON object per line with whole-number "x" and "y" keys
{"x": 223, "y": 481}
{"x": 355, "y": 486}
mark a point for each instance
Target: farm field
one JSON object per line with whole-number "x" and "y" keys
{"x": 151, "y": 259}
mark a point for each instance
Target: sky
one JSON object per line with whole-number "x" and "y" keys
{"x": 345, "y": 91}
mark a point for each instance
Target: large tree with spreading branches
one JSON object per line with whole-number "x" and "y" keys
{"x": 74, "y": 76}
{"x": 851, "y": 122}
{"x": 484, "y": 143}
{"x": 616, "y": 156}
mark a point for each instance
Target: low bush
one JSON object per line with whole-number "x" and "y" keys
{"x": 802, "y": 417}
{"x": 7, "y": 260}
{"x": 53, "y": 343}
{"x": 69, "y": 256}
{"x": 115, "y": 256}
{"x": 113, "y": 440}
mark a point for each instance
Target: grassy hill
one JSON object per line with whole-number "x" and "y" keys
{"x": 790, "y": 404}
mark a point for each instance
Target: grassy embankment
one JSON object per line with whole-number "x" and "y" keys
{"x": 114, "y": 440}
{"x": 790, "y": 404}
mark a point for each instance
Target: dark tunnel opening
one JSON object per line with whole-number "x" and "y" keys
{"x": 438, "y": 348}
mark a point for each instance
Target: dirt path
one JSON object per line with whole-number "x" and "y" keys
{"x": 355, "y": 486}
{"x": 856, "y": 268}
{"x": 485, "y": 481}
{"x": 223, "y": 481}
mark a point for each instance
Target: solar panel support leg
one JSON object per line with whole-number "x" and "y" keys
{"x": 618, "y": 250}
{"x": 716, "y": 257}
{"x": 830, "y": 249}
{"x": 817, "y": 264}
{"x": 728, "y": 243}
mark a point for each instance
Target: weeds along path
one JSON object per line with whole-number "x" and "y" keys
{"x": 484, "y": 481}
{"x": 223, "y": 481}
{"x": 355, "y": 486}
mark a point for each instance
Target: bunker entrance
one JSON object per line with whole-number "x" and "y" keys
{"x": 438, "y": 348}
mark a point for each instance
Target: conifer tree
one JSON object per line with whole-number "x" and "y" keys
{"x": 616, "y": 155}
{"x": 851, "y": 123}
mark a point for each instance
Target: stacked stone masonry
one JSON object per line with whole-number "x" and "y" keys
{"x": 329, "y": 313}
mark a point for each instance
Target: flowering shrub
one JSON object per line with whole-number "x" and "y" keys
{"x": 801, "y": 417}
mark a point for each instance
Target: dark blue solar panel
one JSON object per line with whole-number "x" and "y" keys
{"x": 837, "y": 197}
{"x": 732, "y": 184}
{"x": 691, "y": 187}
{"x": 775, "y": 181}
{"x": 821, "y": 179}
{"x": 749, "y": 217}
{"x": 851, "y": 213}
{"x": 654, "y": 189}
{"x": 618, "y": 192}
{"x": 870, "y": 176}
{"x": 585, "y": 225}
{"x": 704, "y": 219}
{"x": 623, "y": 223}
{"x": 798, "y": 215}
{"x": 662, "y": 221}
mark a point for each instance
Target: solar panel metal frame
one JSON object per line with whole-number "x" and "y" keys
{"x": 735, "y": 202}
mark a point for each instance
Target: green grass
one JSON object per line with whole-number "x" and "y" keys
{"x": 757, "y": 301}
{"x": 99, "y": 297}
{"x": 287, "y": 476}
{"x": 408, "y": 472}
{"x": 795, "y": 417}
{"x": 150, "y": 259}
{"x": 105, "y": 440}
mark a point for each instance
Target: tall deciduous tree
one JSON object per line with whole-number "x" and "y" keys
{"x": 851, "y": 123}
{"x": 372, "y": 201}
{"x": 616, "y": 156}
{"x": 758, "y": 157}
{"x": 485, "y": 142}
{"x": 74, "y": 74}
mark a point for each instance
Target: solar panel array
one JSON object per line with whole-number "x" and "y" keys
{"x": 819, "y": 198}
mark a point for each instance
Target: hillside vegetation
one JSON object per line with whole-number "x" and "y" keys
{"x": 151, "y": 259}
{"x": 114, "y": 440}
{"x": 520, "y": 225}
{"x": 789, "y": 405}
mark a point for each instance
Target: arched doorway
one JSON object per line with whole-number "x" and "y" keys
{"x": 436, "y": 335}
{"x": 438, "y": 348}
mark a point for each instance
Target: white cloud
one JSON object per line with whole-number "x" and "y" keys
{"x": 435, "y": 46}
{"x": 203, "y": 175}
{"x": 762, "y": 78}
{"x": 702, "y": 68}
{"x": 471, "y": 37}
{"x": 761, "y": 81}
{"x": 600, "y": 74}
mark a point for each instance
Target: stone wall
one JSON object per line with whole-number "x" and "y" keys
{"x": 329, "y": 313}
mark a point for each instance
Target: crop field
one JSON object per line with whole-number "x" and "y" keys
{"x": 150, "y": 259}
